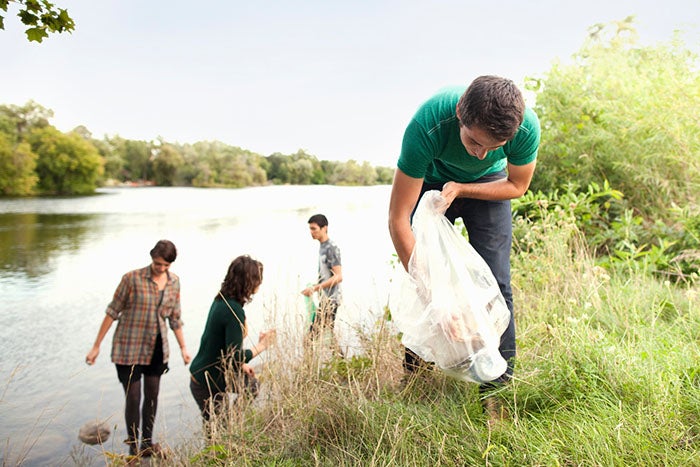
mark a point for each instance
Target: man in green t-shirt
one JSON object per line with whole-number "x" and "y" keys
{"x": 478, "y": 148}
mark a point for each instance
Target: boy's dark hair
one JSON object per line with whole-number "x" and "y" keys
{"x": 244, "y": 275}
{"x": 318, "y": 219}
{"x": 164, "y": 249}
{"x": 493, "y": 104}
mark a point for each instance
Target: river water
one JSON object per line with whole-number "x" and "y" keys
{"x": 62, "y": 258}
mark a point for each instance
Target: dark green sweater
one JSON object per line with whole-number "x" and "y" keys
{"x": 222, "y": 341}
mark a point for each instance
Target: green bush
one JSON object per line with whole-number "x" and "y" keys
{"x": 600, "y": 217}
{"x": 625, "y": 114}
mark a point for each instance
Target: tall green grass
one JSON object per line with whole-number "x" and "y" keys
{"x": 608, "y": 374}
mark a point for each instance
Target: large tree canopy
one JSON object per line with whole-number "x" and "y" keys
{"x": 40, "y": 16}
{"x": 17, "y": 164}
{"x": 66, "y": 163}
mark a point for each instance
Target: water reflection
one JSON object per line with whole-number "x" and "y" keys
{"x": 28, "y": 241}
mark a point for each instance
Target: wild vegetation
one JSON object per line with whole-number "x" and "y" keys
{"x": 608, "y": 373}
{"x": 605, "y": 272}
{"x": 624, "y": 114}
{"x": 606, "y": 258}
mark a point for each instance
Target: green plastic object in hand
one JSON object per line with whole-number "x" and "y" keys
{"x": 310, "y": 307}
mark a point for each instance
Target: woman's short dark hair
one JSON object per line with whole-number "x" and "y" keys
{"x": 493, "y": 104}
{"x": 164, "y": 249}
{"x": 244, "y": 275}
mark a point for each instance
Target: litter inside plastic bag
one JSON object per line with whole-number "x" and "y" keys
{"x": 451, "y": 311}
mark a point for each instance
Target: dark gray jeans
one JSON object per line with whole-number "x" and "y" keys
{"x": 206, "y": 395}
{"x": 490, "y": 229}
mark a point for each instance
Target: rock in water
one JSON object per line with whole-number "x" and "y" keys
{"x": 94, "y": 432}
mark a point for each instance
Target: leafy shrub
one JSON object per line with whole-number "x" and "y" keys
{"x": 626, "y": 114}
{"x": 611, "y": 230}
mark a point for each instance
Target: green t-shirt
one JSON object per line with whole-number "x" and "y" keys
{"x": 432, "y": 149}
{"x": 223, "y": 335}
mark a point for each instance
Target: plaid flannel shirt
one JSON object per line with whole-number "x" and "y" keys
{"x": 135, "y": 306}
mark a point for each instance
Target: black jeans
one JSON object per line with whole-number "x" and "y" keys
{"x": 204, "y": 397}
{"x": 490, "y": 228}
{"x": 208, "y": 396}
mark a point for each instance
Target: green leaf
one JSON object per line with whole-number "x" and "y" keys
{"x": 66, "y": 21}
{"x": 32, "y": 5}
{"x": 36, "y": 34}
{"x": 28, "y": 18}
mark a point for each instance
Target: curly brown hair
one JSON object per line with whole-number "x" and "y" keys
{"x": 243, "y": 277}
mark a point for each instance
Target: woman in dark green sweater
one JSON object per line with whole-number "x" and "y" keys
{"x": 221, "y": 348}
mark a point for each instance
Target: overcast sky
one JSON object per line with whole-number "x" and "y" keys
{"x": 339, "y": 80}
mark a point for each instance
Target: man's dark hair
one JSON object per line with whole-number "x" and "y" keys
{"x": 244, "y": 275}
{"x": 164, "y": 249}
{"x": 493, "y": 104}
{"x": 318, "y": 219}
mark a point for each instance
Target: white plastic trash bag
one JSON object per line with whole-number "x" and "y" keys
{"x": 451, "y": 311}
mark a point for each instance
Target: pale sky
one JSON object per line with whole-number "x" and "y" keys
{"x": 339, "y": 80}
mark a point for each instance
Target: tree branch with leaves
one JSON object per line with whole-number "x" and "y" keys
{"x": 40, "y": 16}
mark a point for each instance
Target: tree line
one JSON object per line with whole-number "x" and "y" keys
{"x": 618, "y": 113}
{"x": 38, "y": 159}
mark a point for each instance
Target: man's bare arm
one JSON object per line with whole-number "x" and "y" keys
{"x": 513, "y": 186}
{"x": 404, "y": 196}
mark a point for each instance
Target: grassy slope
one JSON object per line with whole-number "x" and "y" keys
{"x": 608, "y": 374}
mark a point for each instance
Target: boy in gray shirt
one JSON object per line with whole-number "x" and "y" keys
{"x": 330, "y": 275}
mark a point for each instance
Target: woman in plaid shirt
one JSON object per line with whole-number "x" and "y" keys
{"x": 144, "y": 299}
